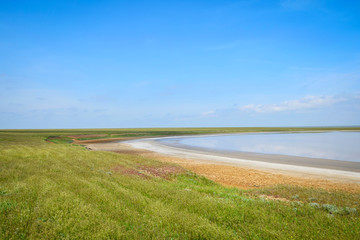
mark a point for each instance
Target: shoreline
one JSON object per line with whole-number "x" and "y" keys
{"x": 280, "y": 164}
{"x": 322, "y": 163}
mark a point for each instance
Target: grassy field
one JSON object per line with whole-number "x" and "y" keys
{"x": 56, "y": 190}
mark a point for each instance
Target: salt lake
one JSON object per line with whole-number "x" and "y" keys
{"x": 335, "y": 145}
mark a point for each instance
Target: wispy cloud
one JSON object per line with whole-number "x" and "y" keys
{"x": 331, "y": 80}
{"x": 23, "y": 101}
{"x": 209, "y": 113}
{"x": 308, "y": 102}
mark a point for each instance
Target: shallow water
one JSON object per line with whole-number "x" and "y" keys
{"x": 328, "y": 145}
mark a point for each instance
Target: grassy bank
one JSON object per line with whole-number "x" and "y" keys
{"x": 63, "y": 191}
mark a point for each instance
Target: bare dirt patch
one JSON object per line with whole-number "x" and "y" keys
{"x": 103, "y": 140}
{"x": 274, "y": 198}
{"x": 131, "y": 151}
{"x": 165, "y": 172}
{"x": 128, "y": 171}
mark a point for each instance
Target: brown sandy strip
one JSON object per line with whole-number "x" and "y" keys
{"x": 247, "y": 178}
{"x": 103, "y": 140}
{"x": 227, "y": 175}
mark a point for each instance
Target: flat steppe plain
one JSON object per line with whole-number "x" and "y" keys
{"x": 53, "y": 187}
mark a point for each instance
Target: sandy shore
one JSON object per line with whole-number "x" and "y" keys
{"x": 299, "y": 166}
{"x": 230, "y": 171}
{"x": 269, "y": 159}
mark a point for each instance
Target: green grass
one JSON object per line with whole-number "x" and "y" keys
{"x": 62, "y": 191}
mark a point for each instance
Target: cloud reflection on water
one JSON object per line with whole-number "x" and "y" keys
{"x": 329, "y": 145}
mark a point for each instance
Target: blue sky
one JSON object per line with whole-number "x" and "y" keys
{"x": 93, "y": 64}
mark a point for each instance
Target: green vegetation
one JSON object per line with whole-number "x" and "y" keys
{"x": 311, "y": 195}
{"x": 64, "y": 191}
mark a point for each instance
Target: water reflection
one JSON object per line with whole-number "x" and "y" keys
{"x": 330, "y": 145}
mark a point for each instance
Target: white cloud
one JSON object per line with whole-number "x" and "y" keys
{"x": 208, "y": 113}
{"x": 308, "y": 102}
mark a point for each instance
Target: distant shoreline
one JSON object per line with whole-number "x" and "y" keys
{"x": 333, "y": 169}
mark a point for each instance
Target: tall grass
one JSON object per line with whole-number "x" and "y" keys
{"x": 62, "y": 191}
